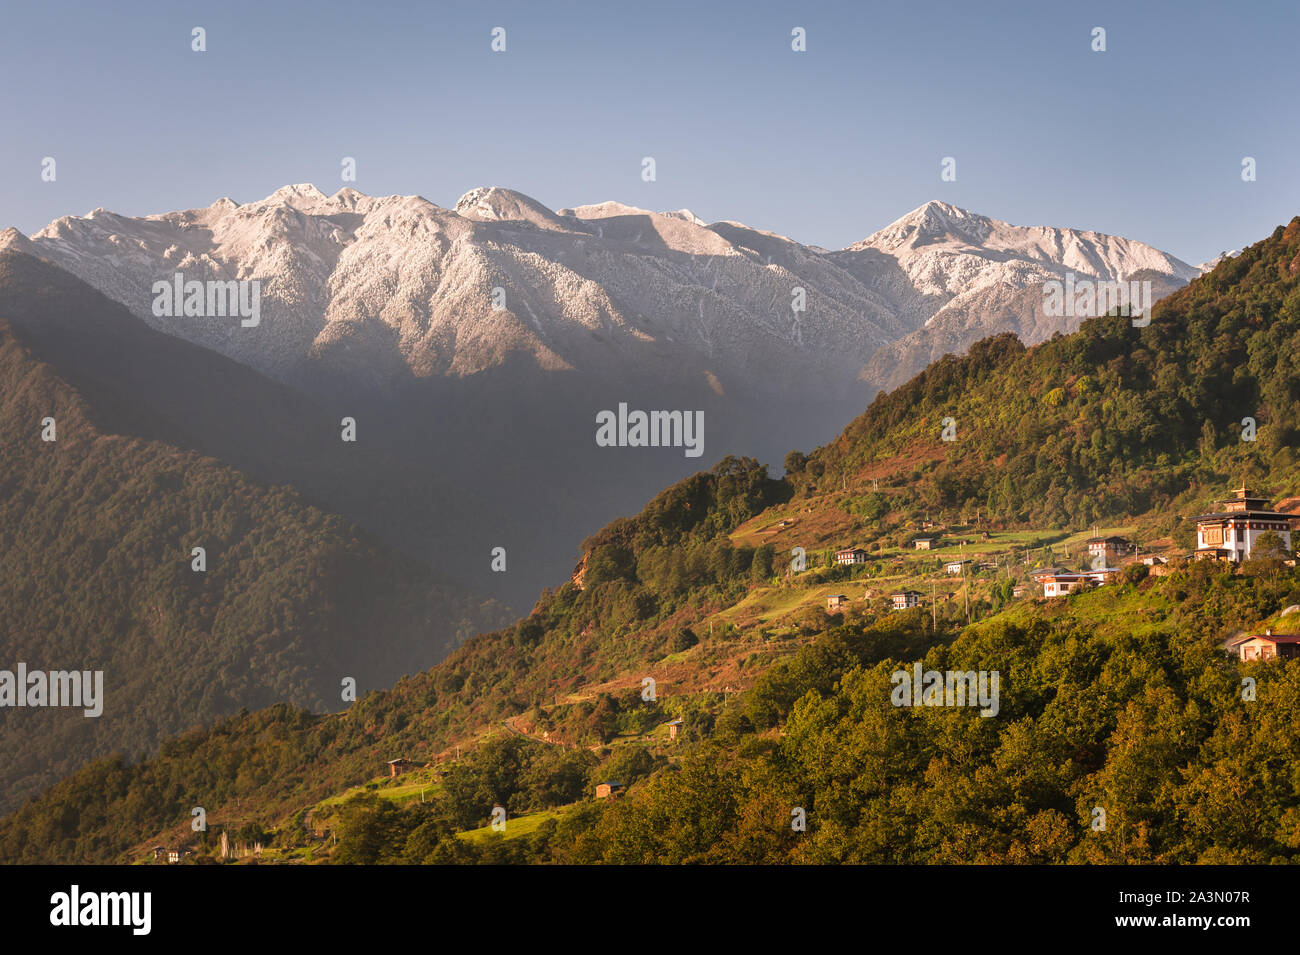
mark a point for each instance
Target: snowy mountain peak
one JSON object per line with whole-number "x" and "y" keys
{"x": 931, "y": 240}
{"x": 686, "y": 215}
{"x": 497, "y": 204}
{"x": 301, "y": 190}
{"x": 348, "y": 197}
{"x": 936, "y": 211}
{"x": 934, "y": 220}
{"x": 604, "y": 210}
{"x": 11, "y": 238}
{"x": 301, "y": 197}
{"x": 1222, "y": 256}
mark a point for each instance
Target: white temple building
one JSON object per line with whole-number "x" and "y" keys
{"x": 1231, "y": 533}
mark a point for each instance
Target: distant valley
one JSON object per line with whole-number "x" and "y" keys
{"x": 474, "y": 346}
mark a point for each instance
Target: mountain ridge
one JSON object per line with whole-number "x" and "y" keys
{"x": 718, "y": 292}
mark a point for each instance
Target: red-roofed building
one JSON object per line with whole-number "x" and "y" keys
{"x": 1270, "y": 646}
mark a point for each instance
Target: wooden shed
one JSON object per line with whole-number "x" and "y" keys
{"x": 398, "y": 766}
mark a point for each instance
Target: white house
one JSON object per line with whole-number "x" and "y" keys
{"x": 1231, "y": 532}
{"x": 905, "y": 599}
{"x": 1063, "y": 584}
{"x": 851, "y": 555}
{"x": 1107, "y": 548}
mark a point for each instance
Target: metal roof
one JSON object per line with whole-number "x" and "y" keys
{"x": 1272, "y": 638}
{"x": 1244, "y": 515}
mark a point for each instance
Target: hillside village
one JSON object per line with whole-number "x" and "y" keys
{"x": 953, "y": 572}
{"x": 970, "y": 562}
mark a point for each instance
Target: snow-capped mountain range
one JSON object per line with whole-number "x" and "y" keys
{"x": 380, "y": 290}
{"x": 476, "y": 345}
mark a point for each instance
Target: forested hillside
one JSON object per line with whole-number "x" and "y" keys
{"x": 1120, "y": 699}
{"x": 1110, "y": 420}
{"x": 96, "y": 538}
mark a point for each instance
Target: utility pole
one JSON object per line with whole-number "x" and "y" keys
{"x": 934, "y": 608}
{"x": 966, "y": 578}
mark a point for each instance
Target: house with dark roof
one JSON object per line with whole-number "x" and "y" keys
{"x": 904, "y": 599}
{"x": 1107, "y": 548}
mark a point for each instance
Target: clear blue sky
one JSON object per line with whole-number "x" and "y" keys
{"x": 1145, "y": 140}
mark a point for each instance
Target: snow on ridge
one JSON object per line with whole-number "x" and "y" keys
{"x": 586, "y": 287}
{"x": 933, "y": 219}
{"x": 928, "y": 236}
{"x": 1214, "y": 262}
{"x": 686, "y": 215}
{"x": 604, "y": 210}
